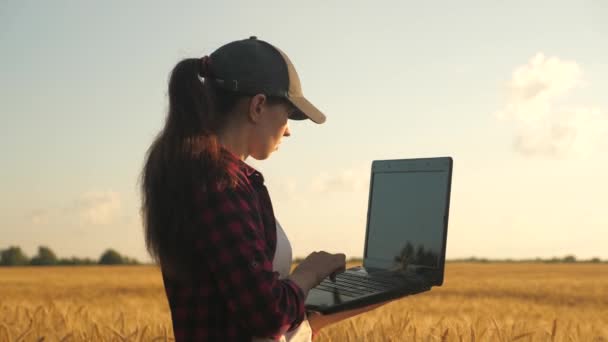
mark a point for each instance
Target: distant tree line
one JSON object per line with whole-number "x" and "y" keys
{"x": 554, "y": 260}
{"x": 14, "y": 256}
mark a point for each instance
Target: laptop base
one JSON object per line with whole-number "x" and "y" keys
{"x": 327, "y": 301}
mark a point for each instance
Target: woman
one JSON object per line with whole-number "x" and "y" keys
{"x": 207, "y": 215}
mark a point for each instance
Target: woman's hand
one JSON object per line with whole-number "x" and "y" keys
{"x": 318, "y": 321}
{"x": 316, "y": 267}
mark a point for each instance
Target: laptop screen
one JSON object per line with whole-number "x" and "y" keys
{"x": 407, "y": 218}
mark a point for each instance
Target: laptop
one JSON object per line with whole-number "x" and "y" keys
{"x": 405, "y": 239}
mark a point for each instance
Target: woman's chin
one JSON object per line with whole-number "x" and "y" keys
{"x": 261, "y": 156}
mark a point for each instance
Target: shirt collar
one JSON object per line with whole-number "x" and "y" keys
{"x": 235, "y": 163}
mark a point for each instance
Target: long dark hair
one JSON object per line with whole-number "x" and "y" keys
{"x": 184, "y": 155}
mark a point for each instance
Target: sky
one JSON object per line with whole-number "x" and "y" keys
{"x": 514, "y": 92}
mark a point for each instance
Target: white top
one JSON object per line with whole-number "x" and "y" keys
{"x": 282, "y": 264}
{"x": 282, "y": 256}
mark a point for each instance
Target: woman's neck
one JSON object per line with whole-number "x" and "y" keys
{"x": 235, "y": 140}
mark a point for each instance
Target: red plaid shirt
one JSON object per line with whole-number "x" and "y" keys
{"x": 235, "y": 294}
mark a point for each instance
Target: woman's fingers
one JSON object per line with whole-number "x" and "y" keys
{"x": 332, "y": 276}
{"x": 320, "y": 265}
{"x": 340, "y": 266}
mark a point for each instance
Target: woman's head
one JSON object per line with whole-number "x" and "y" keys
{"x": 239, "y": 98}
{"x": 235, "y": 91}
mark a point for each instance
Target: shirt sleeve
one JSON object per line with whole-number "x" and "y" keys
{"x": 231, "y": 241}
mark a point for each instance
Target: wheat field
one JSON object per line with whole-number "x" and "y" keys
{"x": 478, "y": 302}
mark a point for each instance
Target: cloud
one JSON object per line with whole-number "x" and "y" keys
{"x": 349, "y": 180}
{"x": 89, "y": 208}
{"x": 543, "y": 126}
{"x": 343, "y": 181}
{"x": 98, "y": 207}
{"x": 286, "y": 189}
{"x": 38, "y": 216}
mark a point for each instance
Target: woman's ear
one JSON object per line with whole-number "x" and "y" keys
{"x": 256, "y": 107}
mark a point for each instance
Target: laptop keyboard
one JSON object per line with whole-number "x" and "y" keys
{"x": 354, "y": 284}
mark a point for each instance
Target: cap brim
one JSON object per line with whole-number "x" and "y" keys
{"x": 307, "y": 109}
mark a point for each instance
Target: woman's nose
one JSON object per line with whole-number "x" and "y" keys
{"x": 287, "y": 132}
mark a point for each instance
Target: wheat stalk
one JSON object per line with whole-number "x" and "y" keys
{"x": 520, "y": 336}
{"x": 7, "y": 332}
{"x": 554, "y": 329}
{"x": 26, "y": 332}
{"x": 67, "y": 337}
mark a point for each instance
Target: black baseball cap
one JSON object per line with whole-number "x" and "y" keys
{"x": 252, "y": 66}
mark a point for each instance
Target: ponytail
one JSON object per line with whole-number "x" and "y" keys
{"x": 184, "y": 156}
{"x": 189, "y": 112}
